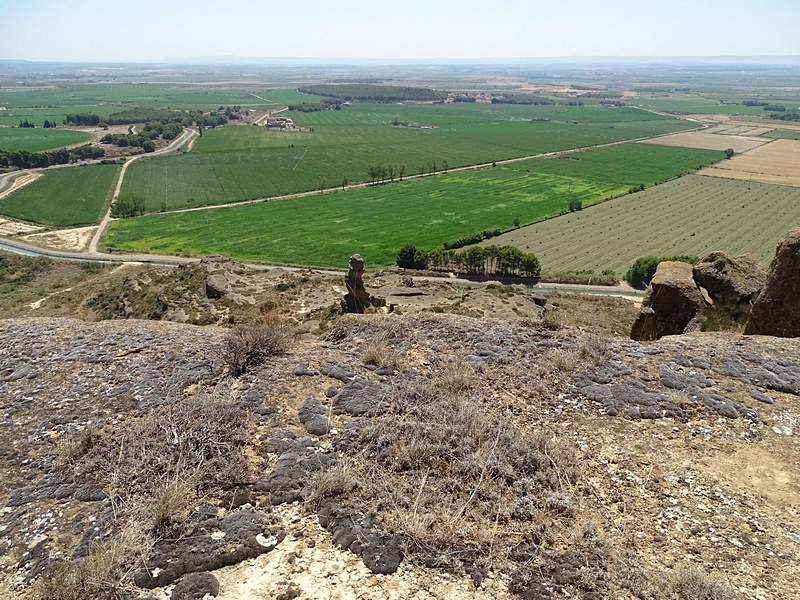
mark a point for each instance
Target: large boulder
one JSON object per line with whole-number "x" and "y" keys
{"x": 671, "y": 304}
{"x": 727, "y": 280}
{"x": 777, "y": 310}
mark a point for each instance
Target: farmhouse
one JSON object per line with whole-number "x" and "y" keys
{"x": 279, "y": 122}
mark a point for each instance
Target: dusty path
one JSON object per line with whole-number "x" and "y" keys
{"x": 187, "y": 136}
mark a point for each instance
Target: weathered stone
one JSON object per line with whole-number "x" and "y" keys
{"x": 671, "y": 303}
{"x": 217, "y": 285}
{"x": 777, "y": 310}
{"x": 727, "y": 280}
{"x": 312, "y": 416}
{"x": 357, "y": 299}
{"x": 247, "y": 534}
{"x": 382, "y": 553}
{"x": 195, "y": 586}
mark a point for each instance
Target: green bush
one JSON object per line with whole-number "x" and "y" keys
{"x": 128, "y": 204}
{"x": 642, "y": 271}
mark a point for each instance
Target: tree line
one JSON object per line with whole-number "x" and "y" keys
{"x": 501, "y": 261}
{"x": 145, "y": 139}
{"x": 23, "y": 159}
{"x": 366, "y": 92}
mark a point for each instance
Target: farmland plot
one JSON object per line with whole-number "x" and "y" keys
{"x": 64, "y": 197}
{"x": 37, "y": 140}
{"x": 777, "y": 162}
{"x": 692, "y": 215}
{"x": 322, "y": 230}
{"x": 232, "y": 164}
{"x": 709, "y": 141}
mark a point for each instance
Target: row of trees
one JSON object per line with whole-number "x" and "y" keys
{"x": 379, "y": 173}
{"x": 382, "y": 173}
{"x": 23, "y": 159}
{"x": 162, "y": 116}
{"x": 502, "y": 261}
{"x": 366, "y": 92}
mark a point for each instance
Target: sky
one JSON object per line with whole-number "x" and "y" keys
{"x": 149, "y": 30}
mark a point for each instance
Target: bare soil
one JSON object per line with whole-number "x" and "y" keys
{"x": 74, "y": 240}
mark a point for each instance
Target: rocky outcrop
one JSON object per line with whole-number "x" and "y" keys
{"x": 671, "y": 304}
{"x": 222, "y": 278}
{"x": 777, "y": 310}
{"x": 730, "y": 280}
{"x": 357, "y": 299}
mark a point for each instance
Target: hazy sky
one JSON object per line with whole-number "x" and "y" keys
{"x": 150, "y": 30}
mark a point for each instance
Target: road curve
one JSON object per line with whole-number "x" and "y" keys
{"x": 186, "y": 137}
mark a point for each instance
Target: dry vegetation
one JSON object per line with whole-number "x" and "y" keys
{"x": 777, "y": 163}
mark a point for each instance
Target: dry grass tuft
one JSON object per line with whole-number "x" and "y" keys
{"x": 105, "y": 574}
{"x": 378, "y": 352}
{"x": 330, "y": 483}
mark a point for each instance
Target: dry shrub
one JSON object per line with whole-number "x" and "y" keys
{"x": 693, "y": 584}
{"x": 378, "y": 352}
{"x": 164, "y": 509}
{"x": 105, "y": 574}
{"x": 72, "y": 446}
{"x": 552, "y": 319}
{"x": 199, "y": 440}
{"x": 446, "y": 467}
{"x": 329, "y": 483}
{"x": 593, "y": 348}
{"x": 248, "y": 345}
{"x": 457, "y": 375}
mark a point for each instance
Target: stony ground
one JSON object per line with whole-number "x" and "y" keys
{"x": 674, "y": 463}
{"x": 471, "y": 444}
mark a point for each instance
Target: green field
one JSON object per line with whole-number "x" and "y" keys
{"x": 784, "y": 134}
{"x": 64, "y": 197}
{"x": 55, "y": 102}
{"x": 624, "y": 165}
{"x": 36, "y": 140}
{"x": 692, "y": 215}
{"x": 236, "y": 163}
{"x": 323, "y": 230}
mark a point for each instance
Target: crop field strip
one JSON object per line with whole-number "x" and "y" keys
{"x": 692, "y": 215}
{"x": 376, "y": 221}
{"x": 37, "y": 140}
{"x": 777, "y": 162}
{"x": 709, "y": 141}
{"x": 105, "y": 99}
{"x": 65, "y": 197}
{"x": 252, "y": 162}
{"x": 785, "y": 134}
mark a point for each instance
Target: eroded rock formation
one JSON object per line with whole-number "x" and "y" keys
{"x": 730, "y": 280}
{"x": 777, "y": 310}
{"x": 671, "y": 304}
{"x": 357, "y": 299}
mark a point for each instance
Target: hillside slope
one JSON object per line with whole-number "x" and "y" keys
{"x": 454, "y": 457}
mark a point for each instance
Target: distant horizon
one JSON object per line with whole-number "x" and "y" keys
{"x": 389, "y": 61}
{"x": 150, "y": 31}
